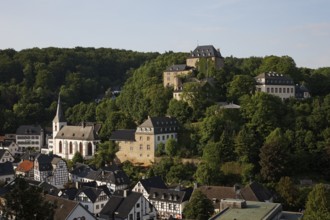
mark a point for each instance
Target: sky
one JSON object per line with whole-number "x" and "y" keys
{"x": 240, "y": 28}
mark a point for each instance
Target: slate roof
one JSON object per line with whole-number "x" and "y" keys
{"x": 205, "y": 51}
{"x": 91, "y": 192}
{"x": 69, "y": 193}
{"x": 29, "y": 155}
{"x": 29, "y": 130}
{"x": 255, "y": 192}
{"x": 45, "y": 161}
{"x": 170, "y": 195}
{"x": 77, "y": 133}
{"x": 160, "y": 125}
{"x": 123, "y": 135}
{"x": 81, "y": 170}
{"x": 59, "y": 117}
{"x": 119, "y": 206}
{"x": 178, "y": 67}
{"x": 153, "y": 182}
{"x": 25, "y": 166}
{"x": 49, "y": 189}
{"x": 6, "y": 169}
{"x": 273, "y": 78}
{"x": 64, "y": 207}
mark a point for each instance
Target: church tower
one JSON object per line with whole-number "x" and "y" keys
{"x": 59, "y": 120}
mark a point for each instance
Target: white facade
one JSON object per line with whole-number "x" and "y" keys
{"x": 282, "y": 91}
{"x": 93, "y": 207}
{"x": 66, "y": 148}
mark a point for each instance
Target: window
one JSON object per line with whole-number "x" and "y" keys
{"x": 148, "y": 138}
{"x": 162, "y": 205}
{"x": 89, "y": 149}
{"x": 163, "y": 137}
{"x": 148, "y": 147}
{"x": 291, "y": 90}
{"x": 275, "y": 90}
{"x": 141, "y": 147}
{"x": 97, "y": 206}
{"x": 137, "y": 205}
{"x": 80, "y": 148}
{"x": 141, "y": 138}
{"x": 283, "y": 90}
{"x": 174, "y": 207}
{"x": 158, "y": 138}
{"x": 287, "y": 90}
{"x": 130, "y": 216}
{"x": 60, "y": 147}
{"x": 272, "y": 90}
{"x": 169, "y": 206}
{"x": 70, "y": 148}
{"x": 280, "y": 90}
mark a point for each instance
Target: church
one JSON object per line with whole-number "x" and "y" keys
{"x": 67, "y": 139}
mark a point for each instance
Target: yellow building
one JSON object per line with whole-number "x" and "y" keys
{"x": 207, "y": 52}
{"x": 139, "y": 146}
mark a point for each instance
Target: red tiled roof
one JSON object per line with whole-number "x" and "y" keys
{"x": 25, "y": 166}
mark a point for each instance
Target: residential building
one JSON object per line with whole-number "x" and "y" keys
{"x": 30, "y": 137}
{"x": 111, "y": 176}
{"x": 144, "y": 185}
{"x": 25, "y": 169}
{"x": 127, "y": 205}
{"x": 93, "y": 199}
{"x": 248, "y": 210}
{"x": 251, "y": 192}
{"x": 276, "y": 84}
{"x": 169, "y": 202}
{"x": 207, "y": 52}
{"x": 51, "y": 169}
{"x": 68, "y": 209}
{"x": 5, "y": 156}
{"x": 68, "y": 139}
{"x": 139, "y": 146}
{"x": 7, "y": 173}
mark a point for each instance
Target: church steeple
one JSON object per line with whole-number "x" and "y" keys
{"x": 59, "y": 117}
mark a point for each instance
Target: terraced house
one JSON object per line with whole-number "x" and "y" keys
{"x": 139, "y": 146}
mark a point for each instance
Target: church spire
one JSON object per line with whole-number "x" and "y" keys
{"x": 59, "y": 117}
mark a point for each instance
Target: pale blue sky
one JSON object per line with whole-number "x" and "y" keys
{"x": 241, "y": 28}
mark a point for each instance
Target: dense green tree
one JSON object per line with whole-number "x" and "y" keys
{"x": 180, "y": 110}
{"x": 77, "y": 158}
{"x": 288, "y": 193}
{"x": 82, "y": 112}
{"x": 318, "y": 204}
{"x": 274, "y": 156}
{"x": 105, "y": 154}
{"x": 239, "y": 86}
{"x": 26, "y": 202}
{"x": 171, "y": 147}
{"x": 199, "y": 207}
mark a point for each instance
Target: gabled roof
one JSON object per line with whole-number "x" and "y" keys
{"x": 3, "y": 151}
{"x": 81, "y": 170}
{"x": 120, "y": 205}
{"x": 25, "y": 166}
{"x": 153, "y": 182}
{"x": 255, "y": 192}
{"x": 49, "y": 189}
{"x": 216, "y": 193}
{"x": 159, "y": 125}
{"x": 77, "y": 133}
{"x": 65, "y": 207}
{"x": 91, "y": 192}
{"x": 205, "y": 51}
{"x": 178, "y": 67}
{"x": 6, "y": 169}
{"x": 170, "y": 195}
{"x": 123, "y": 135}
{"x": 29, "y": 130}
{"x": 45, "y": 161}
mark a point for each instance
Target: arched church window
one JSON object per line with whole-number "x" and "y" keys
{"x": 60, "y": 147}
